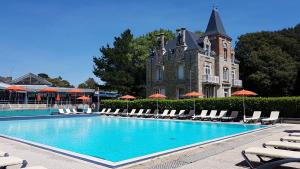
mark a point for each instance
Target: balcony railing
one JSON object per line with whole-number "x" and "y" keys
{"x": 211, "y": 79}
{"x": 237, "y": 83}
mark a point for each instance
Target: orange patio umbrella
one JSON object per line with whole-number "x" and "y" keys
{"x": 194, "y": 94}
{"x": 244, "y": 93}
{"x": 127, "y": 97}
{"x": 157, "y": 96}
{"x": 83, "y": 98}
{"x": 75, "y": 91}
{"x": 48, "y": 90}
{"x": 15, "y": 89}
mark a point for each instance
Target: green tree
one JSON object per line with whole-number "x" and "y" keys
{"x": 122, "y": 67}
{"x": 265, "y": 66}
{"x": 58, "y": 81}
{"x": 90, "y": 83}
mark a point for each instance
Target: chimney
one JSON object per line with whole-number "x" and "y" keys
{"x": 162, "y": 43}
{"x": 183, "y": 42}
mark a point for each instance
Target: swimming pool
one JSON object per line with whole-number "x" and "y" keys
{"x": 115, "y": 140}
{"x": 27, "y": 112}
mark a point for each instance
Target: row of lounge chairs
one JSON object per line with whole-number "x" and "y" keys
{"x": 7, "y": 161}
{"x": 181, "y": 114}
{"x": 73, "y": 111}
{"x": 286, "y": 150}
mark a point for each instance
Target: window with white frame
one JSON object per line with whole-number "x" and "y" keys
{"x": 207, "y": 68}
{"x": 225, "y": 74}
{"x": 233, "y": 74}
{"x": 180, "y": 72}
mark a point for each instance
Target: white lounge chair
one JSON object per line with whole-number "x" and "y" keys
{"x": 102, "y": 112}
{"x": 282, "y": 145}
{"x": 115, "y": 113}
{"x": 232, "y": 116}
{"x": 172, "y": 114}
{"x": 255, "y": 117}
{"x": 212, "y": 114}
{"x": 290, "y": 138}
{"x": 124, "y": 112}
{"x": 3, "y": 154}
{"x": 202, "y": 114}
{"x": 74, "y": 111}
{"x": 219, "y": 117}
{"x": 68, "y": 111}
{"x": 295, "y": 134}
{"x": 165, "y": 113}
{"x": 107, "y": 111}
{"x": 147, "y": 113}
{"x": 132, "y": 112}
{"x": 187, "y": 116}
{"x": 272, "y": 119}
{"x": 89, "y": 111}
{"x": 268, "y": 152}
{"x": 61, "y": 111}
{"x": 140, "y": 113}
{"x": 181, "y": 112}
{"x": 11, "y": 161}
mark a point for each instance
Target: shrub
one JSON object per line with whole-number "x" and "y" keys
{"x": 288, "y": 106}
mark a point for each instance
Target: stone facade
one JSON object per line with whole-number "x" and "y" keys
{"x": 194, "y": 63}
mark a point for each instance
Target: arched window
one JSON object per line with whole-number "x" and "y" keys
{"x": 225, "y": 74}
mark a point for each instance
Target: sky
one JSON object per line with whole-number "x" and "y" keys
{"x": 60, "y": 37}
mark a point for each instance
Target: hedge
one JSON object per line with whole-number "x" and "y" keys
{"x": 288, "y": 106}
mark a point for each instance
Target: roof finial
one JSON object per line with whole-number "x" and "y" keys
{"x": 214, "y": 5}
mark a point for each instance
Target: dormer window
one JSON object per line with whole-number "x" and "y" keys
{"x": 207, "y": 46}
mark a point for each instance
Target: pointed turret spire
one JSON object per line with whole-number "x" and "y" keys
{"x": 215, "y": 25}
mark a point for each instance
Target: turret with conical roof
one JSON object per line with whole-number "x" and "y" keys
{"x": 215, "y": 25}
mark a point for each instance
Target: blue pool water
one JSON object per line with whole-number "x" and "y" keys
{"x": 117, "y": 139}
{"x": 35, "y": 112}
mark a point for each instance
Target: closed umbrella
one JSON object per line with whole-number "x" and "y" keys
{"x": 157, "y": 96}
{"x": 38, "y": 98}
{"x": 194, "y": 95}
{"x": 127, "y": 97}
{"x": 57, "y": 99}
{"x": 244, "y": 93}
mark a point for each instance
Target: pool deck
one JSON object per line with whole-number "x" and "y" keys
{"x": 217, "y": 155}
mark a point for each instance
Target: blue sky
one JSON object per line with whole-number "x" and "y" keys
{"x": 59, "y": 37}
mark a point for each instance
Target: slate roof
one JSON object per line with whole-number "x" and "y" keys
{"x": 191, "y": 39}
{"x": 215, "y": 25}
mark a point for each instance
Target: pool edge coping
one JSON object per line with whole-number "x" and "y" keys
{"x": 110, "y": 164}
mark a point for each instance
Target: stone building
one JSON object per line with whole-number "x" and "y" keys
{"x": 194, "y": 63}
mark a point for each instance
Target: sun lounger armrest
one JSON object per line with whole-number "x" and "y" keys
{"x": 278, "y": 163}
